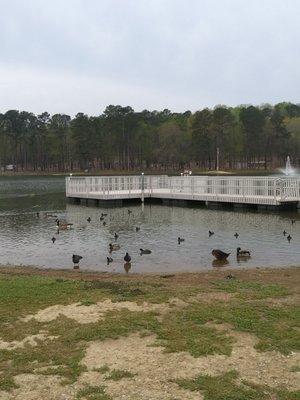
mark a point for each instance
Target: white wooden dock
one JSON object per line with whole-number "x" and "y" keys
{"x": 261, "y": 190}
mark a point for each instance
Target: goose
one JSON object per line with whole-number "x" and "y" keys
{"x": 76, "y": 259}
{"x": 127, "y": 258}
{"x": 89, "y": 219}
{"x": 145, "y": 251}
{"x": 219, "y": 254}
{"x": 242, "y": 253}
{"x": 109, "y": 260}
{"x": 53, "y": 240}
{"x": 116, "y": 236}
{"x": 210, "y": 233}
{"x": 180, "y": 240}
{"x": 236, "y": 235}
{"x": 289, "y": 238}
{"x": 114, "y": 247}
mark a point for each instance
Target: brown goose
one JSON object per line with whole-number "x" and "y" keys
{"x": 219, "y": 254}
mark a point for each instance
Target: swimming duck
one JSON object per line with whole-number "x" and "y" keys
{"x": 53, "y": 239}
{"x": 180, "y": 240}
{"x": 210, "y": 233}
{"x": 89, "y": 219}
{"x": 104, "y": 223}
{"x": 116, "y": 236}
{"x": 236, "y": 235}
{"x": 101, "y": 218}
{"x": 145, "y": 251}
{"x": 219, "y": 254}
{"x": 109, "y": 260}
{"x": 289, "y": 238}
{"x": 103, "y": 215}
{"x": 76, "y": 259}
{"x": 129, "y": 211}
{"x": 242, "y": 253}
{"x": 113, "y": 247}
{"x": 284, "y": 232}
{"x": 127, "y": 258}
{"x": 137, "y": 228}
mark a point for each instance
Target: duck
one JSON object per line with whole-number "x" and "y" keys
{"x": 284, "y": 232}
{"x": 210, "y": 233}
{"x": 53, "y": 239}
{"x": 219, "y": 254}
{"x": 103, "y": 215}
{"x": 145, "y": 251}
{"x": 180, "y": 240}
{"x": 289, "y": 238}
{"x": 127, "y": 258}
{"x": 76, "y": 259}
{"x": 137, "y": 228}
{"x": 114, "y": 247}
{"x": 104, "y": 223}
{"x": 101, "y": 218}
{"x": 116, "y": 236}
{"x": 38, "y": 215}
{"x": 230, "y": 276}
{"x": 109, "y": 260}
{"x": 242, "y": 253}
{"x": 89, "y": 219}
{"x": 236, "y": 235}
{"x": 129, "y": 211}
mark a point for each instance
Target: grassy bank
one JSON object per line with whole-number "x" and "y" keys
{"x": 98, "y": 336}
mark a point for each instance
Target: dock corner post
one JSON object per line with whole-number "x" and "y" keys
{"x": 143, "y": 187}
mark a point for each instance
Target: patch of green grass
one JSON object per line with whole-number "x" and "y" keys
{"x": 276, "y": 327}
{"x": 118, "y": 374}
{"x": 251, "y": 290}
{"x": 295, "y": 368}
{"x": 179, "y": 331}
{"x": 93, "y": 393}
{"x": 225, "y": 387}
{"x": 62, "y": 355}
{"x": 103, "y": 370}
{"x": 7, "y": 383}
{"x": 86, "y": 303}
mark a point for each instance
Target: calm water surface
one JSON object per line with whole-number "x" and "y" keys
{"x": 26, "y": 239}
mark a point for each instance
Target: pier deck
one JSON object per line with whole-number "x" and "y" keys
{"x": 273, "y": 191}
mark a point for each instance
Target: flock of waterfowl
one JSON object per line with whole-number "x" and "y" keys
{"x": 219, "y": 255}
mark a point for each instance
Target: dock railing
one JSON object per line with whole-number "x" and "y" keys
{"x": 239, "y": 189}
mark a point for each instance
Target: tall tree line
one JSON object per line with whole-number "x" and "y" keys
{"x": 120, "y": 138}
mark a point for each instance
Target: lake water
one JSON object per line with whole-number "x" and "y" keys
{"x": 26, "y": 238}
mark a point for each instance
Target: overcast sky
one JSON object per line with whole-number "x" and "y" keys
{"x": 81, "y": 55}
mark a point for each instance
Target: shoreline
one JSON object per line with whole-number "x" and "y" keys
{"x": 263, "y": 272}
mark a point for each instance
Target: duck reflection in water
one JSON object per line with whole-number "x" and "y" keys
{"x": 220, "y": 263}
{"x": 127, "y": 267}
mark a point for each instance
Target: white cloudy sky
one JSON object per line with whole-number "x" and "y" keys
{"x": 81, "y": 55}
